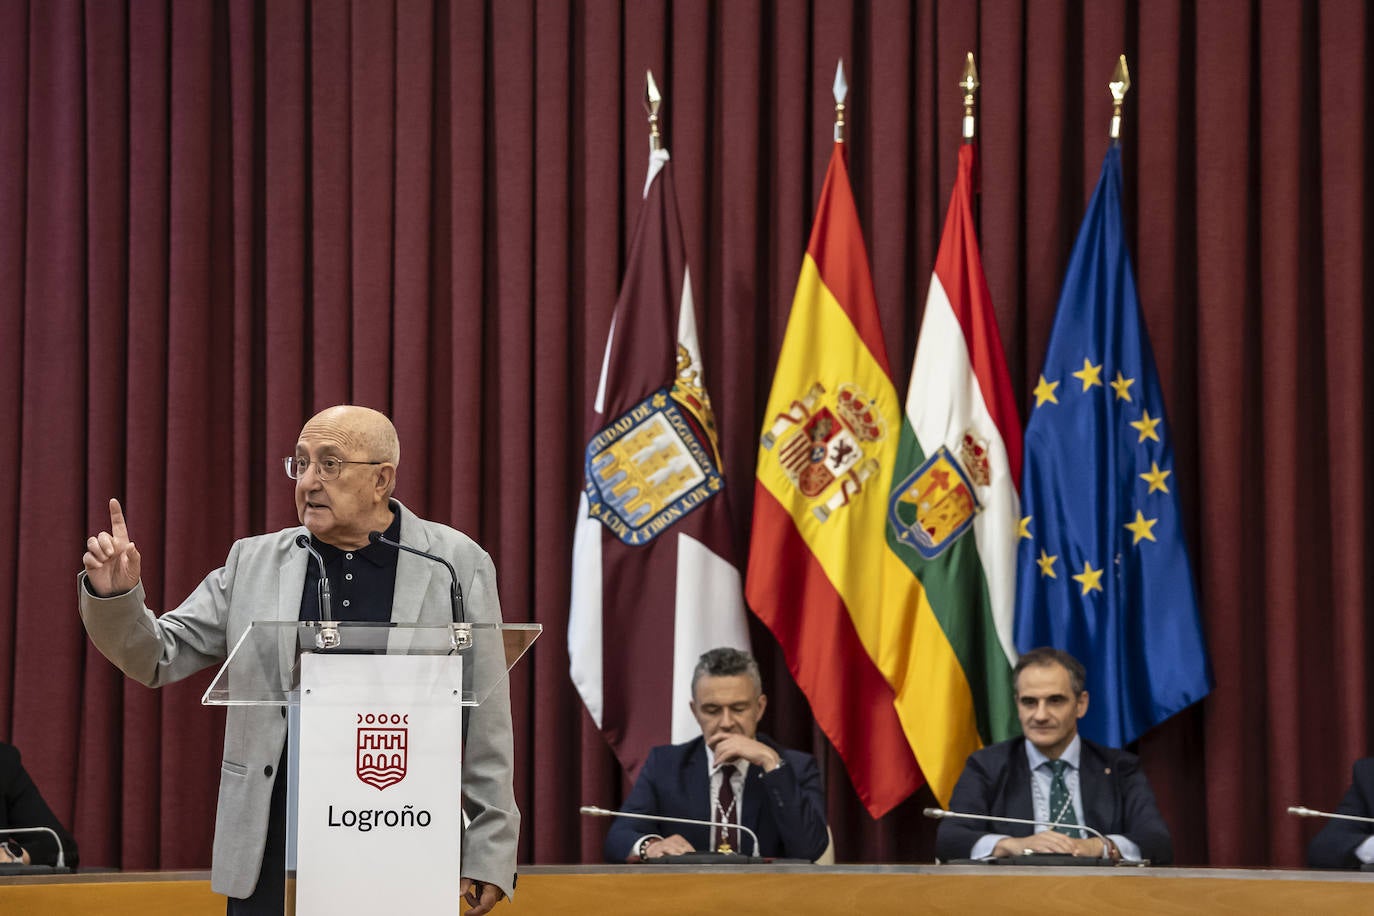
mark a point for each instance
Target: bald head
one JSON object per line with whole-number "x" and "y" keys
{"x": 369, "y": 432}
{"x": 355, "y": 499}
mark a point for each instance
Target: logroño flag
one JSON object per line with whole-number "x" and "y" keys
{"x": 654, "y": 584}
{"x": 818, "y": 572}
{"x": 953, "y": 515}
{"x": 1104, "y": 573}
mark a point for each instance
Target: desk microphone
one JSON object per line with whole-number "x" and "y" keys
{"x": 1300, "y": 811}
{"x": 941, "y": 813}
{"x": 594, "y": 811}
{"x": 61, "y": 861}
{"x": 455, "y": 592}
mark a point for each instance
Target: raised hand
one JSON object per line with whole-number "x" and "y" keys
{"x": 112, "y": 562}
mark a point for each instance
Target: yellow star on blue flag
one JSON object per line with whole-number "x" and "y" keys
{"x": 1093, "y": 482}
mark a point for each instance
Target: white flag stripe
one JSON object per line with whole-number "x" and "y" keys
{"x": 600, "y": 405}
{"x": 687, "y": 324}
{"x": 709, "y": 607}
{"x": 584, "y": 614}
{"x": 658, "y": 158}
{"x": 940, "y": 412}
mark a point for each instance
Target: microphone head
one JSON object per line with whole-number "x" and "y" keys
{"x": 1300, "y": 811}
{"x": 374, "y": 536}
{"x": 935, "y": 813}
{"x": 302, "y": 540}
{"x": 592, "y": 810}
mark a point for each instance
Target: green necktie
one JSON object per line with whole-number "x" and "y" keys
{"x": 1061, "y": 802}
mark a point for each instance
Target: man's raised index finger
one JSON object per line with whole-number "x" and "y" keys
{"x": 117, "y": 526}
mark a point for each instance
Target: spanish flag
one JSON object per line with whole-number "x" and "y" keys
{"x": 819, "y": 574}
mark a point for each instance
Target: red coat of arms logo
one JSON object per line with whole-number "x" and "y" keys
{"x": 382, "y": 742}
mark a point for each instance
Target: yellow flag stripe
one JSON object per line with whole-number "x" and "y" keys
{"x": 822, "y": 346}
{"x": 934, "y": 703}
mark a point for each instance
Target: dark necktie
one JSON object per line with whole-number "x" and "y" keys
{"x": 1061, "y": 802}
{"x": 729, "y": 839}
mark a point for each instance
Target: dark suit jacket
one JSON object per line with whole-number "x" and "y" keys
{"x": 1334, "y": 846}
{"x": 786, "y": 807}
{"x": 22, "y": 806}
{"x": 997, "y": 780}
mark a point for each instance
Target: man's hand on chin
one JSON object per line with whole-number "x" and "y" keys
{"x": 728, "y": 747}
{"x": 479, "y": 896}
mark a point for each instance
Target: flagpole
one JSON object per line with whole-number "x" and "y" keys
{"x": 652, "y": 101}
{"x": 1119, "y": 86}
{"x": 970, "y": 86}
{"x": 841, "y": 91}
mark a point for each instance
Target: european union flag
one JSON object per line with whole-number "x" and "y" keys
{"x": 1102, "y": 570}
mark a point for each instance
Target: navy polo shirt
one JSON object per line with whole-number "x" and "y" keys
{"x": 362, "y": 582}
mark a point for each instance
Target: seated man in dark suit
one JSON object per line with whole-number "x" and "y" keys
{"x": 1051, "y": 773}
{"x": 731, "y": 773}
{"x": 21, "y": 805}
{"x": 1348, "y": 844}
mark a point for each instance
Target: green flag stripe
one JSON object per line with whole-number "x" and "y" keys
{"x": 958, "y": 593}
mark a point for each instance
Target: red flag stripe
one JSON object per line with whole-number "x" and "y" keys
{"x": 972, "y": 305}
{"x": 850, "y": 699}
{"x": 837, "y": 247}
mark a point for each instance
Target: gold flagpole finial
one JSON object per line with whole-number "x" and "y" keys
{"x": 652, "y": 101}
{"x": 970, "y": 86}
{"x": 1119, "y": 86}
{"x": 841, "y": 90}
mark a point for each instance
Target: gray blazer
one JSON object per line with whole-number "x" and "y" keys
{"x": 264, "y": 576}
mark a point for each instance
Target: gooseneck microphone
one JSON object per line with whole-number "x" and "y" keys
{"x": 326, "y": 610}
{"x": 61, "y": 860}
{"x": 1300, "y": 811}
{"x": 455, "y": 591}
{"x": 941, "y": 813}
{"x": 328, "y": 637}
{"x": 594, "y": 811}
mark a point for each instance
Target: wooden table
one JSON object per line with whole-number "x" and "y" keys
{"x": 827, "y": 890}
{"x": 884, "y": 889}
{"x": 163, "y": 893}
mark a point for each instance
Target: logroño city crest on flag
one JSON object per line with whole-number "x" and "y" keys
{"x": 654, "y": 463}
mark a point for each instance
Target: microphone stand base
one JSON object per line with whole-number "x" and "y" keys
{"x": 1041, "y": 860}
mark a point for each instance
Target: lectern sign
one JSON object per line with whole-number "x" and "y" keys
{"x": 382, "y": 751}
{"x": 379, "y": 814}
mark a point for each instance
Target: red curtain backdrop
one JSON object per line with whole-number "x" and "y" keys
{"x": 219, "y": 217}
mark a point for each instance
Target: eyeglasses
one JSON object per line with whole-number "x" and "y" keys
{"x": 327, "y": 468}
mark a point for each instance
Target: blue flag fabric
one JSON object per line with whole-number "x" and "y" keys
{"x": 1102, "y": 568}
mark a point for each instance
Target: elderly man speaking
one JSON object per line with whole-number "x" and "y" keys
{"x": 344, "y": 468}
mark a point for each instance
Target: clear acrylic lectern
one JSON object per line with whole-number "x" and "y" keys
{"x": 375, "y": 723}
